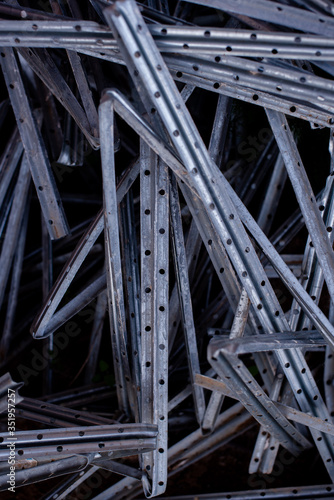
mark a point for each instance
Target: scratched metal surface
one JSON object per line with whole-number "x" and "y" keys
{"x": 166, "y": 247}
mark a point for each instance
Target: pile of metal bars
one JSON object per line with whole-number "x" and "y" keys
{"x": 204, "y": 130}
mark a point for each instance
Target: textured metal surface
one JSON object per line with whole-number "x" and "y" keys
{"x": 184, "y": 305}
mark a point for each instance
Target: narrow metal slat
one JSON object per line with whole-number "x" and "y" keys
{"x": 34, "y": 148}
{"x": 14, "y": 225}
{"x": 154, "y": 312}
{"x": 140, "y": 52}
{"x": 276, "y": 13}
{"x": 132, "y": 284}
{"x": 116, "y": 305}
{"x": 302, "y": 186}
{"x": 181, "y": 269}
{"x": 41, "y": 326}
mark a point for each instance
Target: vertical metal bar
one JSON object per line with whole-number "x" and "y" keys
{"x": 113, "y": 258}
{"x": 47, "y": 279}
{"x": 154, "y": 312}
{"x": 96, "y": 336}
{"x": 329, "y": 371}
{"x": 132, "y": 284}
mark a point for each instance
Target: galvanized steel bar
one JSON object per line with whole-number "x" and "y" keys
{"x": 34, "y": 148}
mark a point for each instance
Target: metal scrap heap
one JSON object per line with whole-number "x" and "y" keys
{"x": 166, "y": 250}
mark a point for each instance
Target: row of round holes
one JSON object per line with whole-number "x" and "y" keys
{"x": 216, "y": 85}
{"x": 255, "y": 97}
{"x": 263, "y": 493}
{"x": 59, "y": 449}
{"x": 228, "y": 48}
{"x": 299, "y": 391}
{"x": 77, "y": 27}
{"x": 148, "y": 252}
{"x": 21, "y": 120}
{"x": 253, "y": 36}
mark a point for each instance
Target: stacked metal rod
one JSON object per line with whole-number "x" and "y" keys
{"x": 166, "y": 250}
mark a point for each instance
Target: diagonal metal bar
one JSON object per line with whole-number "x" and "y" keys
{"x": 180, "y": 264}
{"x": 34, "y": 148}
{"x": 301, "y": 185}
